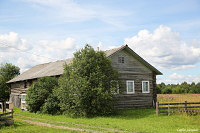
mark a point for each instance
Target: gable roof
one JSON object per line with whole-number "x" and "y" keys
{"x": 56, "y": 68}
{"x": 135, "y": 55}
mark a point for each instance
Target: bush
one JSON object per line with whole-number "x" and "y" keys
{"x": 51, "y": 105}
{"x": 39, "y": 92}
{"x": 86, "y": 87}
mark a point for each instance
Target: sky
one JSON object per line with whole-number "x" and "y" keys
{"x": 165, "y": 33}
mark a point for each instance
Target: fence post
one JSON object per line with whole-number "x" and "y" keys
{"x": 168, "y": 109}
{"x": 185, "y": 107}
{"x": 157, "y": 108}
{"x": 12, "y": 113}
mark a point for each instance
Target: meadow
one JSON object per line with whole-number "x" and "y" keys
{"x": 163, "y": 98}
{"x": 133, "y": 120}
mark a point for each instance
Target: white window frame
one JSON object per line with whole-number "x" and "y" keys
{"x": 21, "y": 98}
{"x": 148, "y": 87}
{"x": 132, "y": 81}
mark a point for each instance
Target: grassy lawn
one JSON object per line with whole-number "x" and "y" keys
{"x": 137, "y": 120}
{"x": 134, "y": 120}
{"x": 23, "y": 127}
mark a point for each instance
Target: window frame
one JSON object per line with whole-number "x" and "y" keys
{"x": 121, "y": 59}
{"x": 132, "y": 81}
{"x": 143, "y": 87}
{"x": 23, "y": 101}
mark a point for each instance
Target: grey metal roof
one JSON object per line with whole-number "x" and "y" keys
{"x": 56, "y": 68}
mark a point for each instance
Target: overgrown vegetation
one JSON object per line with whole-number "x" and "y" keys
{"x": 85, "y": 89}
{"x": 182, "y": 88}
{"x": 87, "y": 85}
{"x": 7, "y": 72}
{"x": 41, "y": 96}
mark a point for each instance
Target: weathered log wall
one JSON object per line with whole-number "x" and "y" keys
{"x": 17, "y": 89}
{"x": 132, "y": 69}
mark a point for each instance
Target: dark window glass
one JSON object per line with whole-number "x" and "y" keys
{"x": 120, "y": 59}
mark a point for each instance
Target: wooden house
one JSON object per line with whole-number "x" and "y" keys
{"x": 137, "y": 75}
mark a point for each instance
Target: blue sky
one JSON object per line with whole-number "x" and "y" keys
{"x": 166, "y": 33}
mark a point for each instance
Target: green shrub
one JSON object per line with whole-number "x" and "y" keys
{"x": 39, "y": 92}
{"x": 86, "y": 87}
{"x": 51, "y": 105}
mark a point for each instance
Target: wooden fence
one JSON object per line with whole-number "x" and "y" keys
{"x": 169, "y": 108}
{"x": 5, "y": 114}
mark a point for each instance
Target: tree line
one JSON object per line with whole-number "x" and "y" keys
{"x": 182, "y": 88}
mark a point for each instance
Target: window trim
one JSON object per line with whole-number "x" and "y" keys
{"x": 143, "y": 87}
{"x": 132, "y": 81}
{"x": 21, "y": 98}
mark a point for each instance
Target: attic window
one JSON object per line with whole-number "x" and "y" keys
{"x": 120, "y": 59}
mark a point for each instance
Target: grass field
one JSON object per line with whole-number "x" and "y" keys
{"x": 135, "y": 120}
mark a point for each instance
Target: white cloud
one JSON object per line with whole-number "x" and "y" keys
{"x": 165, "y": 49}
{"x": 175, "y": 78}
{"x": 12, "y": 39}
{"x": 25, "y": 53}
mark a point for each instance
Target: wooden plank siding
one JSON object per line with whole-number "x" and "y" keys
{"x": 132, "y": 69}
{"x": 17, "y": 89}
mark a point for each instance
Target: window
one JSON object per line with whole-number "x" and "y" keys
{"x": 145, "y": 87}
{"x": 23, "y": 98}
{"x": 130, "y": 87}
{"x": 120, "y": 59}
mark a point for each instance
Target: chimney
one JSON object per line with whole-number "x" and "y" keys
{"x": 97, "y": 48}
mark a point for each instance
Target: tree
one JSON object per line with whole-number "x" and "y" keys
{"x": 7, "y": 72}
{"x": 167, "y": 90}
{"x": 87, "y": 85}
{"x": 39, "y": 92}
{"x": 160, "y": 87}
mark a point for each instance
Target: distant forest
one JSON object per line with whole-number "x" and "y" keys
{"x": 178, "y": 88}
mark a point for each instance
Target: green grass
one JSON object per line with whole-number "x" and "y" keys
{"x": 23, "y": 127}
{"x": 134, "y": 120}
{"x": 138, "y": 120}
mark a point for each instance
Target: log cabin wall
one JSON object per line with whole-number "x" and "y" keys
{"x": 132, "y": 69}
{"x": 17, "y": 89}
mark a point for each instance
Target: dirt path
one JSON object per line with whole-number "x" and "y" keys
{"x": 54, "y": 126}
{"x": 82, "y": 129}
